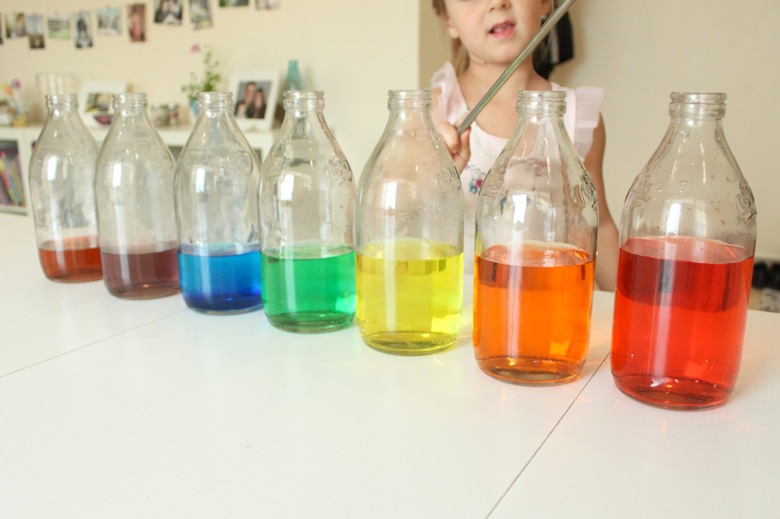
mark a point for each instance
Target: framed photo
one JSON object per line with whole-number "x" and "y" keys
{"x": 255, "y": 93}
{"x": 95, "y": 99}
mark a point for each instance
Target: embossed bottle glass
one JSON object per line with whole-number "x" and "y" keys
{"x": 306, "y": 213}
{"x": 217, "y": 178}
{"x": 134, "y": 191}
{"x": 687, "y": 238}
{"x": 62, "y": 170}
{"x": 409, "y": 235}
{"x": 537, "y": 220}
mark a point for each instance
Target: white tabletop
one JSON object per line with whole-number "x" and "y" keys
{"x": 144, "y": 408}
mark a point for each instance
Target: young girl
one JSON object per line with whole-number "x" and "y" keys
{"x": 487, "y": 36}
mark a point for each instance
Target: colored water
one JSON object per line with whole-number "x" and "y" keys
{"x": 306, "y": 293}
{"x": 532, "y": 308}
{"x": 142, "y": 275}
{"x": 409, "y": 296}
{"x": 680, "y": 311}
{"x": 71, "y": 260}
{"x": 221, "y": 283}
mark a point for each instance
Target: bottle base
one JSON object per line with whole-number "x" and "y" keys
{"x": 310, "y": 322}
{"x": 76, "y": 277}
{"x": 672, "y": 393}
{"x": 410, "y": 343}
{"x": 531, "y": 371}
{"x": 144, "y": 290}
{"x": 225, "y": 311}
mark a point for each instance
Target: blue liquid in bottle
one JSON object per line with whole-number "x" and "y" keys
{"x": 221, "y": 283}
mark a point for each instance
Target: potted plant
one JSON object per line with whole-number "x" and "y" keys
{"x": 207, "y": 83}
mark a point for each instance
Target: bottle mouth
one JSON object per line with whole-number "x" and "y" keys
{"x": 541, "y": 102}
{"x": 698, "y": 104}
{"x": 215, "y": 99}
{"x": 52, "y": 100}
{"x": 420, "y": 98}
{"x": 303, "y": 98}
{"x": 129, "y": 100}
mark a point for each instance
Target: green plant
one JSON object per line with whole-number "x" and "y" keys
{"x": 211, "y": 76}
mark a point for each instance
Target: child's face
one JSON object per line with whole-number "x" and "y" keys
{"x": 494, "y": 31}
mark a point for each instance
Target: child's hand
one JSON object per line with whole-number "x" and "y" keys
{"x": 458, "y": 146}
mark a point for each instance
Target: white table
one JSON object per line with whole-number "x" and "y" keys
{"x": 112, "y": 408}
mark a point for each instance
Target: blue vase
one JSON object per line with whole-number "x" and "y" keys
{"x": 195, "y": 109}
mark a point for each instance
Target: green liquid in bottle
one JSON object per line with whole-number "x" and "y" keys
{"x": 307, "y": 293}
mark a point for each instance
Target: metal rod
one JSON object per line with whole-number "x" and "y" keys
{"x": 544, "y": 30}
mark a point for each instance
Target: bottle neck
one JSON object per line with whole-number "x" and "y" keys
{"x": 59, "y": 105}
{"x": 542, "y": 107}
{"x": 215, "y": 104}
{"x": 409, "y": 109}
{"x": 131, "y": 104}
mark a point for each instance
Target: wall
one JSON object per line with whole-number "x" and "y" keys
{"x": 642, "y": 50}
{"x": 353, "y": 50}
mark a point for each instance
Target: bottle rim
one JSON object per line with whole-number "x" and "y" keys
{"x": 129, "y": 100}
{"x": 697, "y": 104}
{"x": 541, "y": 101}
{"x": 61, "y": 99}
{"x": 215, "y": 98}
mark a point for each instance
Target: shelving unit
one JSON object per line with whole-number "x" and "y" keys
{"x": 21, "y": 140}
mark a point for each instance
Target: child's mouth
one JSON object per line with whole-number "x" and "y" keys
{"x": 502, "y": 29}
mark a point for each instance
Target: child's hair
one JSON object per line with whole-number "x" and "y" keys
{"x": 460, "y": 56}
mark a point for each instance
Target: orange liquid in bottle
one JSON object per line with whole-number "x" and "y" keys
{"x": 71, "y": 260}
{"x": 532, "y": 308}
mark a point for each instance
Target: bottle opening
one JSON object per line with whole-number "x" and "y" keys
{"x": 62, "y": 101}
{"x": 311, "y": 99}
{"x": 215, "y": 100}
{"x": 541, "y": 102}
{"x": 697, "y": 104}
{"x": 413, "y": 98}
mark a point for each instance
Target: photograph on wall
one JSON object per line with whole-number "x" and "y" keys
{"x": 58, "y": 27}
{"x": 233, "y": 3}
{"x": 109, "y": 21}
{"x": 15, "y": 26}
{"x": 35, "y": 31}
{"x": 83, "y": 24}
{"x": 200, "y": 14}
{"x": 168, "y": 12}
{"x": 254, "y": 98}
{"x": 262, "y": 5}
{"x": 136, "y": 22}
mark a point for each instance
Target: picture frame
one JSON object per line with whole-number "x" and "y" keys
{"x": 256, "y": 84}
{"x": 95, "y": 99}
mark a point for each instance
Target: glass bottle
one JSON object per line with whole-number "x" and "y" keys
{"x": 62, "y": 169}
{"x": 217, "y": 178}
{"x": 537, "y": 221}
{"x": 134, "y": 191}
{"x": 306, "y": 213}
{"x": 687, "y": 238}
{"x": 409, "y": 235}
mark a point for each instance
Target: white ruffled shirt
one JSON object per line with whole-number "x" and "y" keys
{"x": 583, "y": 109}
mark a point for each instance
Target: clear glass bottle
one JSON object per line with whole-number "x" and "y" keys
{"x": 537, "y": 222}
{"x": 217, "y": 177}
{"x": 134, "y": 191}
{"x": 62, "y": 169}
{"x": 306, "y": 214}
{"x": 409, "y": 235}
{"x": 687, "y": 238}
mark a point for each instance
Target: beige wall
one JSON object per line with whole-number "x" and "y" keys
{"x": 355, "y": 50}
{"x": 642, "y": 50}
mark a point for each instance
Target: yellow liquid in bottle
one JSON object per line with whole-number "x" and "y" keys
{"x": 409, "y": 296}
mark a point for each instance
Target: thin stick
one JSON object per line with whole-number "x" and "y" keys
{"x": 544, "y": 30}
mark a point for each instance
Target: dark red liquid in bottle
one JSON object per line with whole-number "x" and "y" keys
{"x": 144, "y": 275}
{"x": 680, "y": 312}
{"x": 71, "y": 260}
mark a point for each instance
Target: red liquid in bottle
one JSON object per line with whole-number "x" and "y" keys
{"x": 680, "y": 311}
{"x": 71, "y": 260}
{"x": 143, "y": 275}
{"x": 532, "y": 322}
